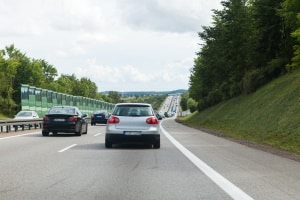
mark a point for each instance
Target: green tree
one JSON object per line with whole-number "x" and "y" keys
{"x": 296, "y": 58}
{"x": 16, "y": 69}
{"x": 249, "y": 43}
{"x": 183, "y": 101}
{"x": 49, "y": 73}
{"x": 273, "y": 38}
{"x": 67, "y": 84}
{"x": 7, "y": 77}
{"x": 114, "y": 96}
{"x": 225, "y": 55}
{"x": 192, "y": 105}
{"x": 21, "y": 64}
{"x": 87, "y": 88}
{"x": 102, "y": 97}
{"x": 71, "y": 85}
{"x": 290, "y": 13}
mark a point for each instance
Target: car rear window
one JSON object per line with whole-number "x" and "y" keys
{"x": 24, "y": 114}
{"x": 99, "y": 112}
{"x": 132, "y": 110}
{"x": 62, "y": 111}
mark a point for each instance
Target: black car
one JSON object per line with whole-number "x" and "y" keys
{"x": 66, "y": 119}
{"x": 99, "y": 117}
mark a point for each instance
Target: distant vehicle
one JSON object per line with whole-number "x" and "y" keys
{"x": 132, "y": 123}
{"x": 24, "y": 114}
{"x": 158, "y": 115}
{"x": 167, "y": 114}
{"x": 99, "y": 117}
{"x": 66, "y": 119}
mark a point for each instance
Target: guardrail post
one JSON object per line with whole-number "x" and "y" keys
{"x": 13, "y": 125}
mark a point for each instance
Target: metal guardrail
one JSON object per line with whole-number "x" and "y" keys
{"x": 14, "y": 125}
{"x": 28, "y": 124}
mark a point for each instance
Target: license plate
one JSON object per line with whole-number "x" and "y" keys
{"x": 59, "y": 120}
{"x": 132, "y": 133}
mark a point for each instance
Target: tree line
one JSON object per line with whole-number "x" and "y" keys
{"x": 248, "y": 44}
{"x": 16, "y": 68}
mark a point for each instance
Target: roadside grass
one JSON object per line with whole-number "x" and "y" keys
{"x": 269, "y": 116}
{"x": 3, "y": 116}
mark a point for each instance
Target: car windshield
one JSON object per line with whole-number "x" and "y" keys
{"x": 24, "y": 114}
{"x": 133, "y": 110}
{"x": 62, "y": 110}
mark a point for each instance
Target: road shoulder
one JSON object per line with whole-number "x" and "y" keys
{"x": 254, "y": 145}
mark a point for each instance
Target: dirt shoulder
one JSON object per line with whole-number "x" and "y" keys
{"x": 254, "y": 145}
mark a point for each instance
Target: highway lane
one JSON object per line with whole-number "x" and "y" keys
{"x": 259, "y": 174}
{"x": 71, "y": 167}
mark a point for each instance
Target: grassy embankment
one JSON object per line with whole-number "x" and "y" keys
{"x": 3, "y": 116}
{"x": 270, "y": 116}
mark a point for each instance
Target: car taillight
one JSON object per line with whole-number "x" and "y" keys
{"x": 151, "y": 120}
{"x": 73, "y": 119}
{"x": 113, "y": 120}
{"x": 46, "y": 119}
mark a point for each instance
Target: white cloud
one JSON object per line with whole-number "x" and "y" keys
{"x": 168, "y": 15}
{"x": 119, "y": 44}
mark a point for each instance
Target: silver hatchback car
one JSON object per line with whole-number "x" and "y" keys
{"x": 133, "y": 123}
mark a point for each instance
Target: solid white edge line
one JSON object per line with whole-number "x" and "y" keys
{"x": 69, "y": 147}
{"x": 228, "y": 187}
{"x": 8, "y": 137}
{"x": 97, "y": 134}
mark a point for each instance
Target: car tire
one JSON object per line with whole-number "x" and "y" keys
{"x": 86, "y": 129}
{"x": 45, "y": 133}
{"x": 156, "y": 145}
{"x": 79, "y": 133}
{"x": 54, "y": 133}
{"x": 108, "y": 144}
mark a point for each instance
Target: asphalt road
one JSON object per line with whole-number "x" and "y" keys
{"x": 189, "y": 165}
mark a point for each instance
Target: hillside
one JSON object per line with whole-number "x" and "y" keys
{"x": 269, "y": 116}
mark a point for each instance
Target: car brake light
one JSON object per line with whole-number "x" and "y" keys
{"x": 151, "y": 120}
{"x": 46, "y": 119}
{"x": 73, "y": 119}
{"x": 113, "y": 120}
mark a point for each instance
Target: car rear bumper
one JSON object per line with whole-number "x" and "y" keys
{"x": 122, "y": 138}
{"x": 99, "y": 121}
{"x": 60, "y": 128}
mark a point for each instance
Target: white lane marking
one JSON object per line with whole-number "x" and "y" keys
{"x": 69, "y": 147}
{"x": 97, "y": 134}
{"x": 8, "y": 137}
{"x": 228, "y": 187}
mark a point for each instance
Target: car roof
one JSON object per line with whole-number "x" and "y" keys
{"x": 64, "y": 107}
{"x": 120, "y": 104}
{"x": 27, "y": 111}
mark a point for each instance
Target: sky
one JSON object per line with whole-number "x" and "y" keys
{"x": 120, "y": 45}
